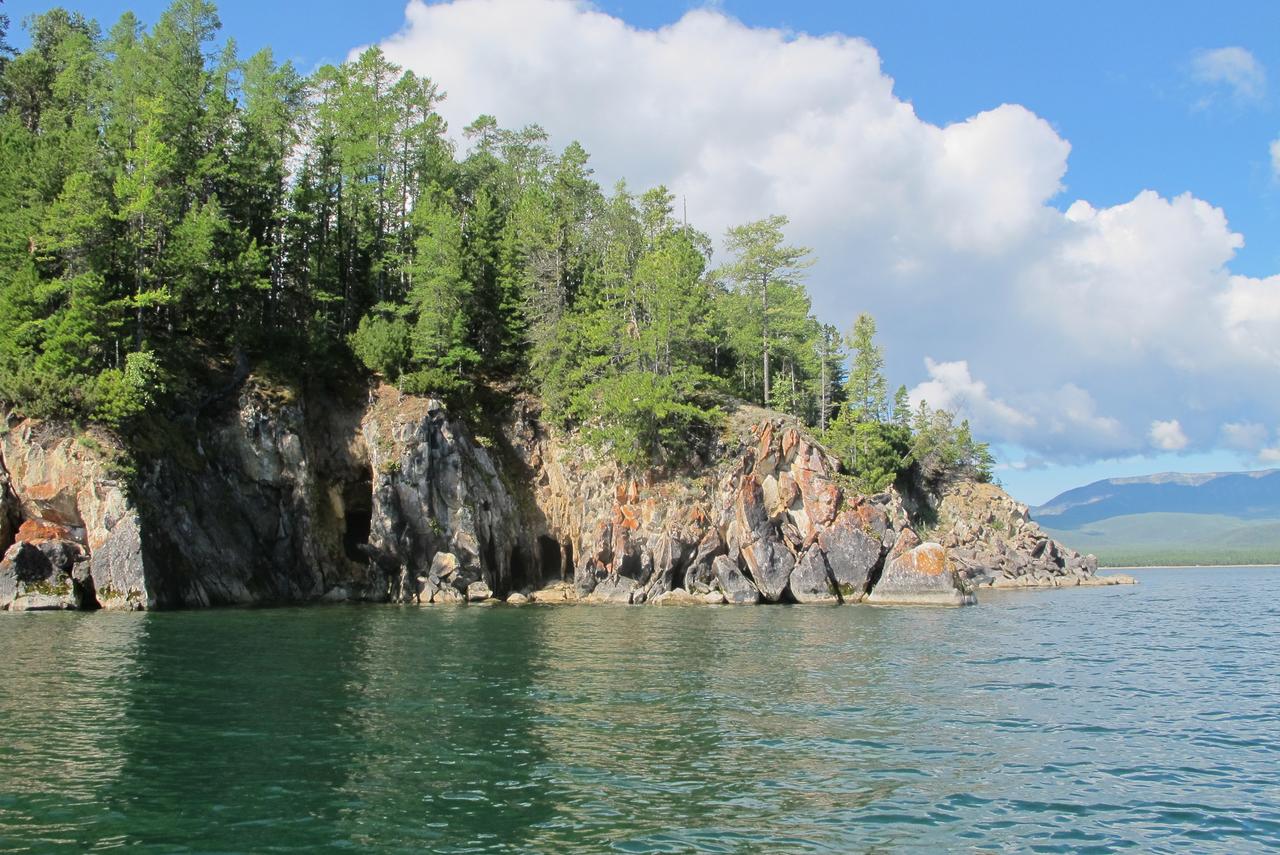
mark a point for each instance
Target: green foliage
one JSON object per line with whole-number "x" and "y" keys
{"x": 876, "y": 454}
{"x": 120, "y": 395}
{"x": 381, "y": 342}
{"x": 770, "y": 308}
{"x": 644, "y": 419}
{"x": 866, "y": 385}
{"x": 166, "y": 206}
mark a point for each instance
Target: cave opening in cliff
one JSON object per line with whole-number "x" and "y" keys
{"x": 521, "y": 572}
{"x": 549, "y": 558}
{"x": 357, "y": 505}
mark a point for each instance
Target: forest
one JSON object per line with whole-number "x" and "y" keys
{"x": 167, "y": 207}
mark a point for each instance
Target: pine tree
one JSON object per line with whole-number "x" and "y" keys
{"x": 766, "y": 272}
{"x": 866, "y": 383}
{"x": 902, "y": 408}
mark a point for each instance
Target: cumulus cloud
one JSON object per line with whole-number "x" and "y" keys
{"x": 1067, "y": 332}
{"x": 1232, "y": 68}
{"x": 1168, "y": 436}
{"x": 1252, "y": 440}
{"x": 951, "y": 387}
{"x": 1248, "y": 437}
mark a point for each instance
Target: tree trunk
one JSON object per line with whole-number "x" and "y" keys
{"x": 764, "y": 327}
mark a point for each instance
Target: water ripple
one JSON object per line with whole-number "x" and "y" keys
{"x": 1092, "y": 720}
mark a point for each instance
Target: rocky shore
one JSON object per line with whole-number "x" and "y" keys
{"x": 392, "y": 499}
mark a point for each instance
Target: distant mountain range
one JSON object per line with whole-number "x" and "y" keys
{"x": 1171, "y": 518}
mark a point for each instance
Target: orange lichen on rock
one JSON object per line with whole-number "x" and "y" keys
{"x": 790, "y": 440}
{"x": 39, "y": 531}
{"x": 930, "y": 560}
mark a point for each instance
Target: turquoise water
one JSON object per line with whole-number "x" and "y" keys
{"x": 1073, "y": 720}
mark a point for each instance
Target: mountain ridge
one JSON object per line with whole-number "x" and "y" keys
{"x": 1248, "y": 495}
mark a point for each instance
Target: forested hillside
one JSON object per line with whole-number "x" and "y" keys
{"x": 168, "y": 209}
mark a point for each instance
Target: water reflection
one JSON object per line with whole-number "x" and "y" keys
{"x": 240, "y": 723}
{"x": 447, "y": 720}
{"x": 64, "y": 684}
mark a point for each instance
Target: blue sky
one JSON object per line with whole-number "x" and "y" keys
{"x": 1171, "y": 97}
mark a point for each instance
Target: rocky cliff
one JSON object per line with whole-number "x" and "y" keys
{"x": 277, "y": 499}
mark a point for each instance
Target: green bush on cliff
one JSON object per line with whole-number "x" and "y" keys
{"x": 644, "y": 419}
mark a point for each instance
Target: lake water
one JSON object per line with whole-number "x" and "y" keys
{"x": 1145, "y": 717}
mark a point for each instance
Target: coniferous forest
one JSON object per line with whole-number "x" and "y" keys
{"x": 169, "y": 208}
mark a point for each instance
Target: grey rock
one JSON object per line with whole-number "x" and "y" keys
{"x": 478, "y": 592}
{"x": 699, "y": 577}
{"x": 735, "y": 586}
{"x": 677, "y": 597}
{"x": 613, "y": 589}
{"x": 811, "y": 581}
{"x": 852, "y": 556}
{"x": 448, "y": 595}
{"x": 39, "y": 603}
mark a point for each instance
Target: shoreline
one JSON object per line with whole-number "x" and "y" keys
{"x": 1182, "y": 566}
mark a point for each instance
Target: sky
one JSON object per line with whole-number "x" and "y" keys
{"x": 1065, "y": 217}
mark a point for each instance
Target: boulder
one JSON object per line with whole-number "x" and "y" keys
{"x": 613, "y": 589}
{"x": 449, "y": 595}
{"x": 906, "y": 541}
{"x": 517, "y": 599}
{"x": 445, "y": 568}
{"x": 560, "y": 592}
{"x": 478, "y": 592}
{"x": 427, "y": 588}
{"x": 677, "y": 597}
{"x": 39, "y": 603}
{"x": 27, "y": 571}
{"x": 922, "y": 576}
{"x": 735, "y": 586}
{"x": 811, "y": 580}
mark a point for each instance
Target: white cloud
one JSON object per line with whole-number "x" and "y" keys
{"x": 1248, "y": 437}
{"x": 951, "y": 387}
{"x": 1234, "y": 68}
{"x": 1251, "y": 439}
{"x": 1168, "y": 436}
{"x": 1067, "y": 333}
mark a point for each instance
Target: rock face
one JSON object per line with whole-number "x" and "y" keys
{"x": 70, "y": 509}
{"x": 269, "y": 498}
{"x": 994, "y": 543}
